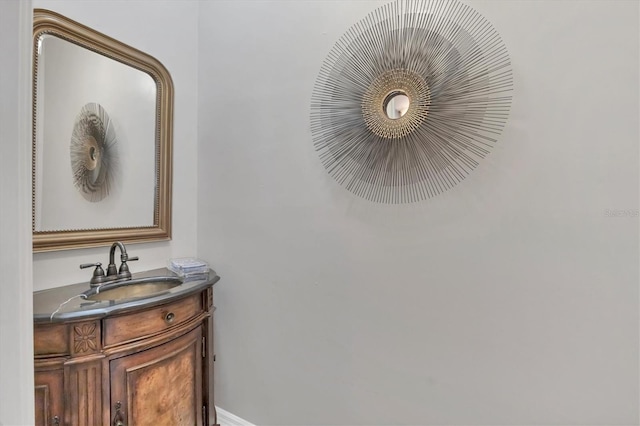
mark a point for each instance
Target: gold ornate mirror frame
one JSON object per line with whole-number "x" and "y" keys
{"x": 50, "y": 23}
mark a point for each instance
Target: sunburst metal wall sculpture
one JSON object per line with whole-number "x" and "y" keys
{"x": 451, "y": 72}
{"x": 93, "y": 152}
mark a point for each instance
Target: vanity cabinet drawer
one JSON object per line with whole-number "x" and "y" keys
{"x": 142, "y": 324}
{"x": 50, "y": 340}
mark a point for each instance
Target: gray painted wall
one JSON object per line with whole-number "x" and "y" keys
{"x": 16, "y": 319}
{"x": 511, "y": 299}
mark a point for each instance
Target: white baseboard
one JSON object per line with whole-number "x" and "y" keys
{"x": 225, "y": 418}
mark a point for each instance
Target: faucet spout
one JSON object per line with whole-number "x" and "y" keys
{"x": 112, "y": 252}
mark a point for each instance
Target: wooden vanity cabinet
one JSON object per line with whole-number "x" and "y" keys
{"x": 146, "y": 366}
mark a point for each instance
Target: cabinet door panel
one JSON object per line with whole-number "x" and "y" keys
{"x": 162, "y": 385}
{"x": 49, "y": 389}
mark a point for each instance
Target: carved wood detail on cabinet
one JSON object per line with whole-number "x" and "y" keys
{"x": 143, "y": 367}
{"x": 86, "y": 338}
{"x": 84, "y": 393}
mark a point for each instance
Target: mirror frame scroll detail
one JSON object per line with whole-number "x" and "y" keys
{"x": 52, "y": 23}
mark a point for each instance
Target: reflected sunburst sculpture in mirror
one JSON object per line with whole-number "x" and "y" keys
{"x": 93, "y": 152}
{"x": 454, "y": 69}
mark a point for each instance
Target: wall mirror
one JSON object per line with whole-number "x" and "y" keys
{"x": 102, "y": 139}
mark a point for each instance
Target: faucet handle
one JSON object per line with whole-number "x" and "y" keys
{"x": 124, "y": 268}
{"x": 98, "y": 273}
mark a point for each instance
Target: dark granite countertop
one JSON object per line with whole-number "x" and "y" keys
{"x": 49, "y": 305}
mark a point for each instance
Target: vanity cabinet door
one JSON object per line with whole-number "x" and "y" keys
{"x": 49, "y": 397}
{"x": 160, "y": 386}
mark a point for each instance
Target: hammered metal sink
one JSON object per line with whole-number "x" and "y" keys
{"x": 132, "y": 289}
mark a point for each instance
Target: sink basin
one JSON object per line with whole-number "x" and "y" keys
{"x": 132, "y": 289}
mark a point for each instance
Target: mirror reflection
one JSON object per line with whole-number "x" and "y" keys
{"x": 396, "y": 105}
{"x": 71, "y": 78}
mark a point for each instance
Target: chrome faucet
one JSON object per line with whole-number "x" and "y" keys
{"x": 112, "y": 274}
